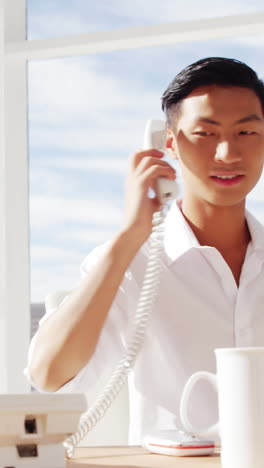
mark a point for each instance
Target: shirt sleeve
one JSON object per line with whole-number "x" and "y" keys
{"x": 111, "y": 344}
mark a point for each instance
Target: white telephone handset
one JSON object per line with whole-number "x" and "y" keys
{"x": 155, "y": 137}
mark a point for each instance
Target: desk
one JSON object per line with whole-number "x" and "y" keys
{"x": 135, "y": 457}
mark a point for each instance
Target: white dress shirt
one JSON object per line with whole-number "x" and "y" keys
{"x": 198, "y": 308}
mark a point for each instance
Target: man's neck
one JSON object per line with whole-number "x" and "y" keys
{"x": 224, "y": 227}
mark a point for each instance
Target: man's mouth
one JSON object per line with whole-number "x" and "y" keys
{"x": 230, "y": 179}
{"x": 226, "y": 177}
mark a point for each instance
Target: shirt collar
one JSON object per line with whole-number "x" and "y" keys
{"x": 179, "y": 237}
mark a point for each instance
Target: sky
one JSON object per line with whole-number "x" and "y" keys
{"x": 87, "y": 116}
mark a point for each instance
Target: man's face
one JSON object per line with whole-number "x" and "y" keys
{"x": 218, "y": 138}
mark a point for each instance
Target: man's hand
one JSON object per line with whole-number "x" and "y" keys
{"x": 145, "y": 168}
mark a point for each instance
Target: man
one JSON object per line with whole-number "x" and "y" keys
{"x": 211, "y": 290}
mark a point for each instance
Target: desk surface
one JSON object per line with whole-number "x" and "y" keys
{"x": 135, "y": 457}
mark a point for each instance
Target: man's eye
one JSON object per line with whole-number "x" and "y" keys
{"x": 203, "y": 133}
{"x": 245, "y": 132}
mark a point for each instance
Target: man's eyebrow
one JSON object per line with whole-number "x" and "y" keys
{"x": 248, "y": 118}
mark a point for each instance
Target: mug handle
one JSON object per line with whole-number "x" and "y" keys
{"x": 188, "y": 426}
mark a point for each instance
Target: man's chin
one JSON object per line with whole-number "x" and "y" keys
{"x": 226, "y": 201}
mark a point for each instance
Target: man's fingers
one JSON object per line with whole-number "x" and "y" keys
{"x": 149, "y": 177}
{"x": 139, "y": 155}
{"x": 150, "y": 161}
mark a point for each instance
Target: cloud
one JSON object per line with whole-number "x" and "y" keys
{"x": 63, "y": 232}
{"x": 47, "y": 213}
{"x": 86, "y": 237}
{"x": 59, "y": 275}
{"x": 48, "y": 254}
{"x": 154, "y": 11}
{"x": 109, "y": 165}
{"x": 49, "y": 20}
{"x": 120, "y": 137}
{"x": 55, "y": 260}
{"x": 78, "y": 108}
{"x": 80, "y": 88}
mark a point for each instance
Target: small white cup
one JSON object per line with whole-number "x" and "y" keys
{"x": 240, "y": 385}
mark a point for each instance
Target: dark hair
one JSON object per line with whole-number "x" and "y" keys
{"x": 210, "y": 71}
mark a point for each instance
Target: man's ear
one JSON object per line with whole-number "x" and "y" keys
{"x": 171, "y": 144}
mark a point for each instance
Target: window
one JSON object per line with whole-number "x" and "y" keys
{"x": 74, "y": 171}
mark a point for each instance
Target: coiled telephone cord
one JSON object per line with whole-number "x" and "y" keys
{"x": 138, "y": 327}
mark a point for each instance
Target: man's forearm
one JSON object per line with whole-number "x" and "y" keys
{"x": 67, "y": 340}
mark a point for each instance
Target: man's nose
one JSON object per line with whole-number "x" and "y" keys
{"x": 227, "y": 152}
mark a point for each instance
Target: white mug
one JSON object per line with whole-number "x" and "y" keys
{"x": 240, "y": 385}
